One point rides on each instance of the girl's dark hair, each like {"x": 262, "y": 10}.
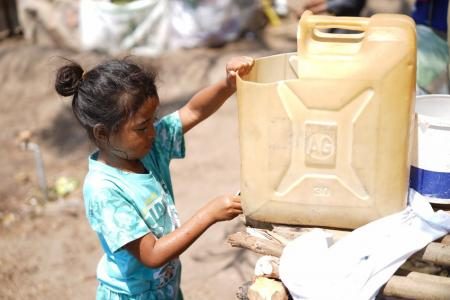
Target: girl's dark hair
{"x": 108, "y": 94}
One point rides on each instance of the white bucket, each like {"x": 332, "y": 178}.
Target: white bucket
{"x": 430, "y": 165}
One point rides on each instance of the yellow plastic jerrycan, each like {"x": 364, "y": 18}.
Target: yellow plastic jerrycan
{"x": 325, "y": 132}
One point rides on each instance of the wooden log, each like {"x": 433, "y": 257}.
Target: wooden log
{"x": 258, "y": 245}
{"x": 412, "y": 288}
{"x": 430, "y": 278}
{"x": 446, "y": 240}
{"x": 436, "y": 253}
{"x": 267, "y": 289}
{"x": 418, "y": 265}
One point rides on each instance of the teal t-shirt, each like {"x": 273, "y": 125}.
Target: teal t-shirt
{"x": 122, "y": 207}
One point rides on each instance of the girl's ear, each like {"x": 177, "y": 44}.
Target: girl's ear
{"x": 100, "y": 133}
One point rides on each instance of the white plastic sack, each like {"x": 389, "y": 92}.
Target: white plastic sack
{"x": 208, "y": 22}
{"x": 139, "y": 27}
{"x": 356, "y": 266}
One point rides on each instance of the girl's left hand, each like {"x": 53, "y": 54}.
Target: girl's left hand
{"x": 238, "y": 65}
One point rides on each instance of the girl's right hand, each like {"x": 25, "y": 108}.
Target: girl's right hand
{"x": 155, "y": 252}
{"x": 224, "y": 208}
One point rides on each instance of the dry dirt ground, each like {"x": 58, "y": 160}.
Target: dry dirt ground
{"x": 47, "y": 249}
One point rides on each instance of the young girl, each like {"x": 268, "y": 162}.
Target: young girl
{"x": 128, "y": 191}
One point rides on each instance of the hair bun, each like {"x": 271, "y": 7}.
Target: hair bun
{"x": 68, "y": 79}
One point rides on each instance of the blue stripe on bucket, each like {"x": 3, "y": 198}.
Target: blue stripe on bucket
{"x": 430, "y": 183}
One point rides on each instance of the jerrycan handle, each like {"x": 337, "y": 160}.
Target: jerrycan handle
{"x": 310, "y": 29}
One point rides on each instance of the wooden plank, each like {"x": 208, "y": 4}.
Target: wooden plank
{"x": 412, "y": 288}
{"x": 430, "y": 278}
{"x": 436, "y": 253}
{"x": 258, "y": 245}
{"x": 267, "y": 289}
{"x": 446, "y": 240}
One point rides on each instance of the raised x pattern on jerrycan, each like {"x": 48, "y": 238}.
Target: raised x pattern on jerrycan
{"x": 325, "y": 132}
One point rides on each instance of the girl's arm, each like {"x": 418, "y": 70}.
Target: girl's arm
{"x": 208, "y": 100}
{"x": 154, "y": 252}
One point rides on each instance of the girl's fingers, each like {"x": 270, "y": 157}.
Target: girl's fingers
{"x": 236, "y": 203}
{"x": 236, "y": 210}
{"x": 236, "y": 206}
{"x": 247, "y": 63}
{"x": 249, "y": 60}
{"x": 241, "y": 64}
{"x": 232, "y": 74}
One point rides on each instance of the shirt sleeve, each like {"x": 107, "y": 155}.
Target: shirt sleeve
{"x": 169, "y": 137}
{"x": 115, "y": 218}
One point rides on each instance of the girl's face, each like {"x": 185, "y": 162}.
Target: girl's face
{"x": 135, "y": 137}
